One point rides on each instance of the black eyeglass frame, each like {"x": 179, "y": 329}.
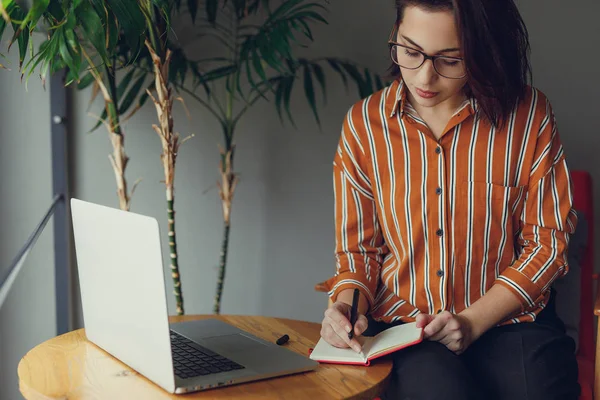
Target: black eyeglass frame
{"x": 426, "y": 57}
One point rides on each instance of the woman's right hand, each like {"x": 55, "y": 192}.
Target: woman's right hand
{"x": 336, "y": 326}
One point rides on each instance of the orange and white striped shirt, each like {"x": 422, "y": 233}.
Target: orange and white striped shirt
{"x": 425, "y": 225}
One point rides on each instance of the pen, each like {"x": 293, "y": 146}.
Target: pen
{"x": 353, "y": 312}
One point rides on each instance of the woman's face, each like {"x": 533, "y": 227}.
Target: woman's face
{"x": 434, "y": 33}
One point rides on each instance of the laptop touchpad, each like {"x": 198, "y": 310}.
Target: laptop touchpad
{"x": 232, "y": 343}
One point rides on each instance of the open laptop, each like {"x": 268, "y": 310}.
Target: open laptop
{"x": 120, "y": 265}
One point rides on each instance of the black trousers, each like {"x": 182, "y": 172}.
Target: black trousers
{"x": 528, "y": 361}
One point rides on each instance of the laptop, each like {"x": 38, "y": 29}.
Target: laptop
{"x": 121, "y": 277}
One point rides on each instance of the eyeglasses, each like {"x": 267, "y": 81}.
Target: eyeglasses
{"x": 409, "y": 58}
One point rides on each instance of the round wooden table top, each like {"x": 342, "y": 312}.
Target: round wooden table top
{"x": 71, "y": 367}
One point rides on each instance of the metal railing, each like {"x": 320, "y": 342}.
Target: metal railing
{"x": 8, "y": 278}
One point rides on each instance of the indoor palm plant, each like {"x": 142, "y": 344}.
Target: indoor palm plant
{"x": 160, "y": 61}
{"x": 93, "y": 40}
{"x": 260, "y": 39}
{"x": 83, "y": 37}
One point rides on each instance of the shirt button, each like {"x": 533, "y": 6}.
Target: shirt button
{"x": 438, "y": 150}
{"x": 440, "y": 273}
{"x": 438, "y": 191}
{"x": 439, "y": 232}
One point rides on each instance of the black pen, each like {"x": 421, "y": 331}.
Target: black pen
{"x": 353, "y": 312}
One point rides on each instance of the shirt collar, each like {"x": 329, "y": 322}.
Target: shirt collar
{"x": 396, "y": 100}
{"x": 474, "y": 105}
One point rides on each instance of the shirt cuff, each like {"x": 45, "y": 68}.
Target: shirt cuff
{"x": 349, "y": 280}
{"x": 527, "y": 291}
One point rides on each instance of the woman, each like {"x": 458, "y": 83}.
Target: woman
{"x": 454, "y": 209}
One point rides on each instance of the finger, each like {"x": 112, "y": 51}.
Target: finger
{"x": 443, "y": 336}
{"x": 454, "y": 325}
{"x": 423, "y": 320}
{"x": 460, "y": 347}
{"x": 332, "y": 337}
{"x": 356, "y": 346}
{"x": 451, "y": 336}
{"x": 361, "y": 325}
{"x": 454, "y": 346}
{"x": 337, "y": 314}
{"x": 342, "y": 334}
{"x": 452, "y": 330}
{"x": 437, "y": 324}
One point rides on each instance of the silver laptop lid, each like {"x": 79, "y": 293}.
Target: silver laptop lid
{"x": 122, "y": 287}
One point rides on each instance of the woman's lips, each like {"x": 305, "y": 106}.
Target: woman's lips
{"x": 426, "y": 94}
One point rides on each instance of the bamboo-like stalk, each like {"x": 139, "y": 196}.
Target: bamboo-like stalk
{"x": 170, "y": 144}
{"x": 227, "y": 186}
{"x": 118, "y": 158}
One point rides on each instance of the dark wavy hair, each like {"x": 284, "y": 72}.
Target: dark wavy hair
{"x": 495, "y": 44}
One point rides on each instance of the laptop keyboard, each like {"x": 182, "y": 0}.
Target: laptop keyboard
{"x": 191, "y": 360}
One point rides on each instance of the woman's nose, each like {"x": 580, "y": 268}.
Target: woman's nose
{"x": 427, "y": 72}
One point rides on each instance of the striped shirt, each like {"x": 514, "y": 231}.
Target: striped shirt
{"x": 425, "y": 225}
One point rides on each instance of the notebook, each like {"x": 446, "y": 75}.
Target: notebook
{"x": 386, "y": 342}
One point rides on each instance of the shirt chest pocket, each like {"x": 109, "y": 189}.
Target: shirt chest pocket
{"x": 486, "y": 221}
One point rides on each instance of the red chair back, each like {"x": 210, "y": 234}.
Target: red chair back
{"x": 583, "y": 202}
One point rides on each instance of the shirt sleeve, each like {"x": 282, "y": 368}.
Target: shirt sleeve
{"x": 359, "y": 243}
{"x": 547, "y": 221}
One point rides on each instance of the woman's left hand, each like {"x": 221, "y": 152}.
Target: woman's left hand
{"x": 454, "y": 331}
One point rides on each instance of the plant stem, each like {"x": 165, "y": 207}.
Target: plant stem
{"x": 118, "y": 158}
{"x": 248, "y": 105}
{"x": 222, "y": 264}
{"x": 193, "y": 95}
{"x": 173, "y": 251}
{"x": 169, "y": 139}
{"x": 227, "y": 189}
{"x": 228, "y": 177}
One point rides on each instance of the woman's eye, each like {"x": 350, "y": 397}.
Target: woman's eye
{"x": 450, "y": 63}
{"x": 411, "y": 53}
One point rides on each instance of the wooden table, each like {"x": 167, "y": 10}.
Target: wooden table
{"x": 71, "y": 367}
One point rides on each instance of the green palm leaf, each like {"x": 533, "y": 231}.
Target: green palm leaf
{"x": 100, "y": 121}
{"x": 22, "y": 38}
{"x": 9, "y": 7}
{"x": 311, "y": 70}
{"x": 33, "y": 16}
{"x": 95, "y": 32}
{"x": 86, "y": 81}
{"x": 193, "y": 9}
{"x": 164, "y": 7}
{"x": 336, "y": 67}
{"x": 287, "y": 96}
{"x": 320, "y": 75}
{"x": 273, "y": 41}
{"x": 310, "y": 92}
{"x": 132, "y": 94}
{"x": 125, "y": 81}
{"x": 132, "y": 21}
{"x": 212, "y": 7}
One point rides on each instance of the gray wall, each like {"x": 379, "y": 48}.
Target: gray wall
{"x": 28, "y": 315}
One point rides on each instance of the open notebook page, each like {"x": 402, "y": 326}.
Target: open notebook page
{"x": 397, "y": 336}
{"x": 326, "y": 352}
